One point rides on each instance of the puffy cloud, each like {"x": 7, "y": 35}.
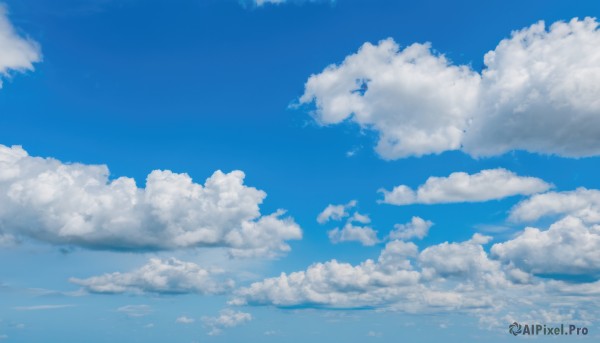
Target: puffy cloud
{"x": 462, "y": 187}
{"x": 335, "y": 212}
{"x": 465, "y": 260}
{"x": 537, "y": 92}
{"x": 569, "y": 246}
{"x": 18, "y": 53}
{"x": 452, "y": 276}
{"x": 227, "y": 319}
{"x": 359, "y": 218}
{"x": 582, "y": 203}
{"x": 159, "y": 276}
{"x": 337, "y": 284}
{"x": 416, "y": 228}
{"x": 540, "y": 92}
{"x": 416, "y": 100}
{"x": 456, "y": 277}
{"x": 349, "y": 233}
{"x": 77, "y": 204}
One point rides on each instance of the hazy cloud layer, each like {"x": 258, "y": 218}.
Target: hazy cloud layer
{"x": 537, "y": 92}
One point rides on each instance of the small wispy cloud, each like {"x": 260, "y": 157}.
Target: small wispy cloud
{"x": 185, "y": 320}
{"x": 41, "y": 307}
{"x": 227, "y": 319}
{"x": 135, "y": 310}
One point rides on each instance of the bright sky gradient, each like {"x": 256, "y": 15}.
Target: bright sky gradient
{"x": 295, "y": 170}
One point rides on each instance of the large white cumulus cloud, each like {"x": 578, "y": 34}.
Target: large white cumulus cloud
{"x": 538, "y": 92}
{"x": 16, "y": 53}
{"x": 457, "y": 277}
{"x": 338, "y": 284}
{"x": 450, "y": 276}
{"x": 416, "y": 100}
{"x": 541, "y": 92}
{"x": 78, "y": 204}
{"x": 568, "y": 247}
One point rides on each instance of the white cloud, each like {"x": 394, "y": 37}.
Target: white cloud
{"x": 227, "y": 319}
{"x": 462, "y": 187}
{"x": 414, "y": 99}
{"x": 335, "y": 212}
{"x": 351, "y": 233}
{"x": 18, "y": 53}
{"x": 416, "y": 228}
{"x": 337, "y": 284}
{"x": 135, "y": 310}
{"x": 264, "y": 2}
{"x": 541, "y": 92}
{"x": 159, "y": 276}
{"x": 359, "y": 218}
{"x": 261, "y": 3}
{"x": 465, "y": 260}
{"x": 42, "y": 307}
{"x": 185, "y": 320}
{"x": 77, "y": 204}
{"x": 537, "y": 92}
{"x": 582, "y": 203}
{"x": 456, "y": 277}
{"x": 569, "y": 246}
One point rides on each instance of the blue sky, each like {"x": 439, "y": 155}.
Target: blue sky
{"x": 231, "y": 171}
